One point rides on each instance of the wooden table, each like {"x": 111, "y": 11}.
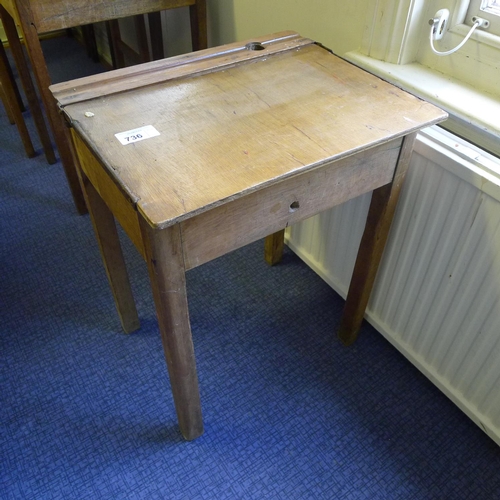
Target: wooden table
{"x": 34, "y": 17}
{"x": 252, "y": 137}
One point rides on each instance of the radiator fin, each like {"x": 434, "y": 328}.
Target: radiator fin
{"x": 437, "y": 293}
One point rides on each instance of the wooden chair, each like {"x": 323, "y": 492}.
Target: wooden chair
{"x": 40, "y": 16}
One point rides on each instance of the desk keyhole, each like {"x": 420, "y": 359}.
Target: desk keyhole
{"x": 294, "y": 206}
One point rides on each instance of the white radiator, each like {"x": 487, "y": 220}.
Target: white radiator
{"x": 437, "y": 293}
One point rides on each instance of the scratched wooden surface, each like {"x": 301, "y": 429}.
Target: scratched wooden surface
{"x": 49, "y": 15}
{"x": 173, "y": 68}
{"x": 230, "y": 132}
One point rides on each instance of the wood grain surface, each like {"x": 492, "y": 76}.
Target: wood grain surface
{"x": 50, "y": 15}
{"x": 233, "y": 131}
{"x": 232, "y": 225}
{"x": 249, "y": 138}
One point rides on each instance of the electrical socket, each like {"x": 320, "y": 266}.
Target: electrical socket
{"x": 440, "y": 22}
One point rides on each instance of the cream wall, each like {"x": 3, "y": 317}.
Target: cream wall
{"x": 336, "y": 24}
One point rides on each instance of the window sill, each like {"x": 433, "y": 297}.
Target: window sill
{"x": 474, "y": 115}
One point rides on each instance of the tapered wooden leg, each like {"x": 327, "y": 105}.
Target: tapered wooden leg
{"x": 165, "y": 261}
{"x": 115, "y": 41}
{"x": 112, "y": 256}
{"x": 110, "y": 33}
{"x": 273, "y": 247}
{"x": 155, "y": 33}
{"x": 198, "y": 18}
{"x": 42, "y": 76}
{"x": 6, "y": 105}
{"x": 378, "y": 223}
{"x": 27, "y": 83}
{"x": 11, "y": 103}
{"x": 12, "y": 77}
{"x": 142, "y": 38}
{"x": 90, "y": 42}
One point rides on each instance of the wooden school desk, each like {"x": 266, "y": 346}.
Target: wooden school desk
{"x": 34, "y": 17}
{"x": 217, "y": 149}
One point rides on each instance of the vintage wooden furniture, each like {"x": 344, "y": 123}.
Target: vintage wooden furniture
{"x": 29, "y": 90}
{"x": 34, "y": 17}
{"x": 9, "y": 94}
{"x": 217, "y": 149}
{"x": 119, "y": 49}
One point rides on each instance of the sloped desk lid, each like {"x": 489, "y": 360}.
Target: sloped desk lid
{"x": 232, "y": 120}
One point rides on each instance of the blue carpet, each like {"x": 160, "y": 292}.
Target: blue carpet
{"x": 86, "y": 411}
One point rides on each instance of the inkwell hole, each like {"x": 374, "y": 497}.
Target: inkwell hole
{"x": 254, "y": 46}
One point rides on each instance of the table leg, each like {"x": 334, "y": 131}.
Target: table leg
{"x": 198, "y": 17}
{"x": 115, "y": 43}
{"x": 112, "y": 256}
{"x": 142, "y": 38}
{"x": 155, "y": 33}
{"x": 111, "y": 34}
{"x": 12, "y": 78}
{"x": 378, "y": 223}
{"x": 42, "y": 76}
{"x": 165, "y": 261}
{"x": 273, "y": 247}
{"x": 90, "y": 42}
{"x": 27, "y": 83}
{"x": 7, "y": 87}
{"x": 6, "y": 105}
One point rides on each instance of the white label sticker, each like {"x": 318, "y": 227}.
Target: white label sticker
{"x": 138, "y": 134}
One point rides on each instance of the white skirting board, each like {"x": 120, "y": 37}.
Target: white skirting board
{"x": 437, "y": 293}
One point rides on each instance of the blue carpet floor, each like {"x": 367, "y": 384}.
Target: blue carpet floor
{"x": 86, "y": 411}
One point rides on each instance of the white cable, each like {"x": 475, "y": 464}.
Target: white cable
{"x": 459, "y": 46}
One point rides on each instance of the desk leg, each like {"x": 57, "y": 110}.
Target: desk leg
{"x": 7, "y": 89}
{"x": 378, "y": 223}
{"x": 198, "y": 17}
{"x": 27, "y": 83}
{"x": 11, "y": 78}
{"x": 112, "y": 256}
{"x": 273, "y": 247}
{"x": 156, "y": 36}
{"x": 42, "y": 76}
{"x": 165, "y": 260}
